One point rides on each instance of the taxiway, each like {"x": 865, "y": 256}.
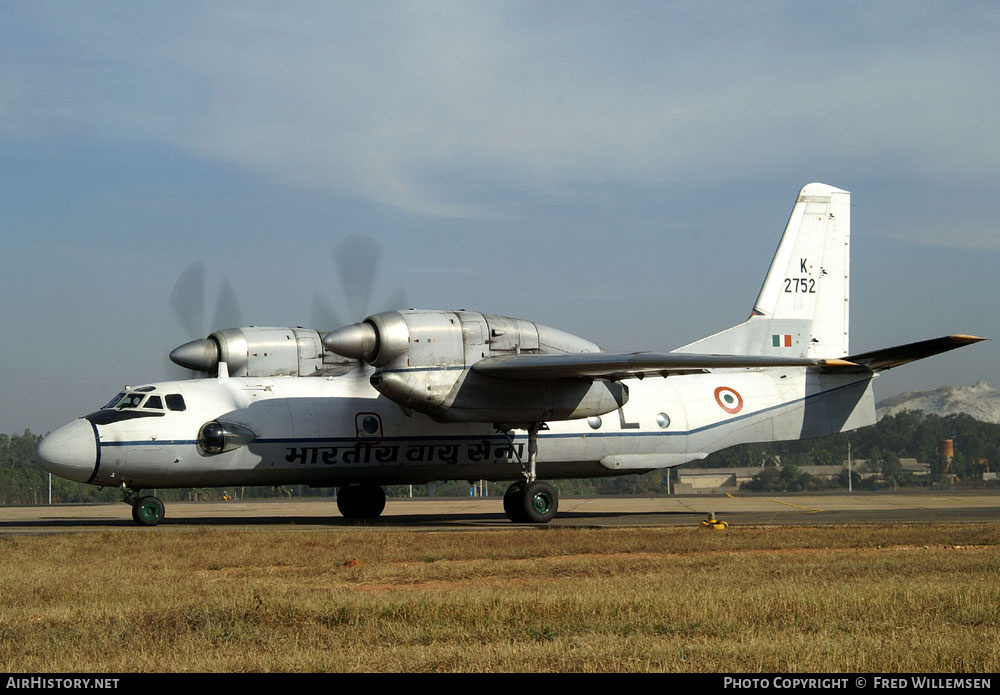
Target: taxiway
{"x": 487, "y": 513}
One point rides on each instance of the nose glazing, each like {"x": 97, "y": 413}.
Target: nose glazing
{"x": 70, "y": 452}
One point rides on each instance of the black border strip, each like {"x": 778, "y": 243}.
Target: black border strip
{"x": 97, "y": 443}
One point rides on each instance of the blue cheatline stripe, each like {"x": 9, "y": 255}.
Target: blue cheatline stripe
{"x": 152, "y": 442}
{"x": 501, "y": 437}
{"x": 97, "y": 461}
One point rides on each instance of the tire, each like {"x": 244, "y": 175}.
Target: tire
{"x": 539, "y": 502}
{"x": 361, "y": 501}
{"x": 512, "y": 502}
{"x": 147, "y": 511}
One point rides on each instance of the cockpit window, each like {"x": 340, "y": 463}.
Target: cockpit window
{"x": 114, "y": 401}
{"x": 125, "y": 400}
{"x": 130, "y": 400}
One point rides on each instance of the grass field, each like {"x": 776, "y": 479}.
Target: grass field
{"x": 864, "y": 598}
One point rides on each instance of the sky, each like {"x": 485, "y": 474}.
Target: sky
{"x": 619, "y": 170}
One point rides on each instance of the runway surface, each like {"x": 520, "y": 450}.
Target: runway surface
{"x": 487, "y": 513}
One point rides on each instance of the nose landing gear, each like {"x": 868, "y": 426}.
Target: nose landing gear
{"x": 146, "y": 510}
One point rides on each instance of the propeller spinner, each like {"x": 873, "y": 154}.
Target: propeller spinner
{"x": 199, "y": 355}
{"x": 358, "y": 341}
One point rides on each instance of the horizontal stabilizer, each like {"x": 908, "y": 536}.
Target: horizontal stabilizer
{"x": 887, "y": 358}
{"x": 609, "y": 365}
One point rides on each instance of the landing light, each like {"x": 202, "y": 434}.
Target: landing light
{"x": 217, "y": 437}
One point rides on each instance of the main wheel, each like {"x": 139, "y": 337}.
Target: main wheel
{"x": 539, "y": 502}
{"x": 147, "y": 511}
{"x": 512, "y": 502}
{"x": 361, "y": 501}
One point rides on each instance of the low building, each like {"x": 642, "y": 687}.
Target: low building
{"x": 725, "y": 479}
{"x": 914, "y": 467}
{"x": 712, "y": 479}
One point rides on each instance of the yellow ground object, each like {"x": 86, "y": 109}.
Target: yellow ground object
{"x": 713, "y": 523}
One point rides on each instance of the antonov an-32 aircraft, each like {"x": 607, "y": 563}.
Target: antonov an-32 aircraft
{"x": 417, "y": 396}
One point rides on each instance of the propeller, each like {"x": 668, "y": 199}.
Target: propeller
{"x": 357, "y": 259}
{"x": 188, "y": 301}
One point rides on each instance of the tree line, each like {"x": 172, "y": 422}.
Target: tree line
{"x": 910, "y": 434}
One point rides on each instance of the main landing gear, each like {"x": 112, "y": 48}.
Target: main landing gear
{"x": 146, "y": 509}
{"x": 361, "y": 501}
{"x": 530, "y": 500}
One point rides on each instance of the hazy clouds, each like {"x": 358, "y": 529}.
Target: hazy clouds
{"x": 619, "y": 170}
{"x": 404, "y": 103}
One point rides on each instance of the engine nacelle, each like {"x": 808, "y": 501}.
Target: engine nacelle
{"x": 423, "y": 361}
{"x": 260, "y": 351}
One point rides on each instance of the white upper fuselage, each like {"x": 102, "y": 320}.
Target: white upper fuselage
{"x": 330, "y": 431}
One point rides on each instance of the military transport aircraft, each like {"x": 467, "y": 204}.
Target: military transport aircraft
{"x": 415, "y": 396}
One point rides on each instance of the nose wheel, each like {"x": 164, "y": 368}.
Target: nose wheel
{"x": 146, "y": 509}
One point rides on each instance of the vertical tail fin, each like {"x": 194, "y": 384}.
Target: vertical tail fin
{"x": 803, "y": 306}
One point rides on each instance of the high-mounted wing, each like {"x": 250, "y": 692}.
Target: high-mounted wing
{"x": 610, "y": 365}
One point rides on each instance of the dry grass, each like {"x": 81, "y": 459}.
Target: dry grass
{"x": 904, "y": 598}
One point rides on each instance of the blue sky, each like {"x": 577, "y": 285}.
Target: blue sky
{"x": 621, "y": 170}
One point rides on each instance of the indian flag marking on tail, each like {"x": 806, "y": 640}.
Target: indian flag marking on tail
{"x": 781, "y": 340}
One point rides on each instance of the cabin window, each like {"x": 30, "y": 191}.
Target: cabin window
{"x": 175, "y": 401}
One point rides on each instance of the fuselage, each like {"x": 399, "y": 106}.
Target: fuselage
{"x": 333, "y": 431}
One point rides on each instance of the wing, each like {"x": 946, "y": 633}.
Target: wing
{"x": 610, "y": 365}
{"x": 887, "y": 358}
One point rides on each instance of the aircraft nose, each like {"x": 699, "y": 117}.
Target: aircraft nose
{"x": 70, "y": 452}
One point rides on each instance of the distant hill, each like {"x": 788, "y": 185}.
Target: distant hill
{"x": 981, "y": 401}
